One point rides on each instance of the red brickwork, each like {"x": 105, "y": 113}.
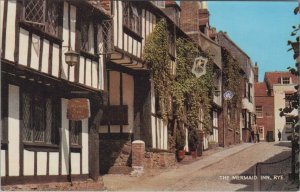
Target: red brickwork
{"x": 189, "y": 16}
{"x": 138, "y": 153}
{"x": 262, "y": 98}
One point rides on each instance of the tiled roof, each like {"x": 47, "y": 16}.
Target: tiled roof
{"x": 273, "y": 77}
{"x": 260, "y": 89}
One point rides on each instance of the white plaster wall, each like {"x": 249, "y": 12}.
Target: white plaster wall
{"x": 45, "y": 59}
{"x": 3, "y": 168}
{"x": 128, "y": 99}
{"x": 101, "y": 73}
{"x": 143, "y": 28}
{"x": 13, "y": 130}
{"x": 28, "y": 162}
{"x": 130, "y": 44}
{"x": 42, "y": 163}
{"x": 10, "y": 30}
{"x": 35, "y": 52}
{"x": 247, "y": 105}
{"x": 81, "y": 70}
{"x": 147, "y": 23}
{"x": 125, "y": 42}
{"x": 205, "y": 142}
{"x": 64, "y": 138}
{"x": 23, "y": 48}
{"x": 88, "y": 77}
{"x": 279, "y": 102}
{"x": 55, "y": 60}
{"x": 94, "y": 74}
{"x": 165, "y": 139}
{"x": 186, "y": 140}
{"x": 75, "y": 163}
{"x": 85, "y": 146}
{"x": 73, "y": 35}
{"x": 120, "y": 27}
{"x": 64, "y": 74}
{"x": 153, "y": 131}
{"x": 53, "y": 163}
{"x": 115, "y": 22}
{"x": 1, "y": 22}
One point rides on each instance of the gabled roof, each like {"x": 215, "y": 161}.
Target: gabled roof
{"x": 273, "y": 77}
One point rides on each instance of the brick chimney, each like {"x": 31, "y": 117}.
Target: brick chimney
{"x": 255, "y": 71}
{"x": 172, "y": 10}
{"x": 194, "y": 16}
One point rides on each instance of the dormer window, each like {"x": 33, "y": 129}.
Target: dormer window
{"x": 285, "y": 80}
{"x": 42, "y": 14}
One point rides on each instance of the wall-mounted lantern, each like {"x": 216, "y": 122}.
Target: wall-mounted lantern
{"x": 72, "y": 58}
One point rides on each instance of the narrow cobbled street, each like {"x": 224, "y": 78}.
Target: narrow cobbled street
{"x": 231, "y": 169}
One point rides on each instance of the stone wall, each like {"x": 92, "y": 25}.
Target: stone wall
{"x": 159, "y": 159}
{"x": 115, "y": 156}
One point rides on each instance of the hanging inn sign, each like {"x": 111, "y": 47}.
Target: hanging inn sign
{"x": 199, "y": 67}
{"x": 78, "y": 109}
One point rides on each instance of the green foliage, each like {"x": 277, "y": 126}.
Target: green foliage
{"x": 192, "y": 93}
{"x": 293, "y": 100}
{"x": 231, "y": 81}
{"x": 193, "y": 139}
{"x": 184, "y": 95}
{"x": 156, "y": 54}
{"x": 180, "y": 136}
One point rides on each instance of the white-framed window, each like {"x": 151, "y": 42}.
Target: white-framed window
{"x": 285, "y": 80}
{"x": 259, "y": 111}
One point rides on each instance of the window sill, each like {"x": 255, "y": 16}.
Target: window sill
{"x": 40, "y": 32}
{"x": 131, "y": 33}
{"x": 41, "y": 147}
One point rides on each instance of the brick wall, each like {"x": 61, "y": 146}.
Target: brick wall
{"x": 189, "y": 16}
{"x": 268, "y": 121}
{"x": 115, "y": 154}
{"x": 159, "y": 159}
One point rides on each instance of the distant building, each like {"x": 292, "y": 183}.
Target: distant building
{"x": 270, "y": 97}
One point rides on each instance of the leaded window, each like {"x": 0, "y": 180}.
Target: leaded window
{"x": 39, "y": 114}
{"x": 87, "y": 35}
{"x": 75, "y": 130}
{"x": 4, "y": 113}
{"x": 42, "y": 14}
{"x": 131, "y": 17}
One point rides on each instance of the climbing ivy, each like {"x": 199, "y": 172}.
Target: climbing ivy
{"x": 192, "y": 94}
{"x": 184, "y": 95}
{"x": 232, "y": 79}
{"x": 156, "y": 55}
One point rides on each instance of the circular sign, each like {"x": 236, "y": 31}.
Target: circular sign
{"x": 228, "y": 95}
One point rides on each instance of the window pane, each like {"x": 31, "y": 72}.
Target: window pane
{"x": 35, "y": 12}
{"x": 52, "y": 17}
{"x": 39, "y": 119}
{"x": 26, "y": 114}
{"x": 48, "y": 120}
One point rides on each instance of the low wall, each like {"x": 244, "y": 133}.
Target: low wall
{"x": 159, "y": 159}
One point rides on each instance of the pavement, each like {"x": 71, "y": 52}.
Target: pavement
{"x": 169, "y": 176}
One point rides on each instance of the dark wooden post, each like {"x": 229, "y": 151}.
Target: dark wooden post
{"x": 94, "y": 123}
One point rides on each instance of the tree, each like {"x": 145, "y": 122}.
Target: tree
{"x": 293, "y": 99}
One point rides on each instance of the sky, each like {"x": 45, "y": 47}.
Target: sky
{"x": 261, "y": 29}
